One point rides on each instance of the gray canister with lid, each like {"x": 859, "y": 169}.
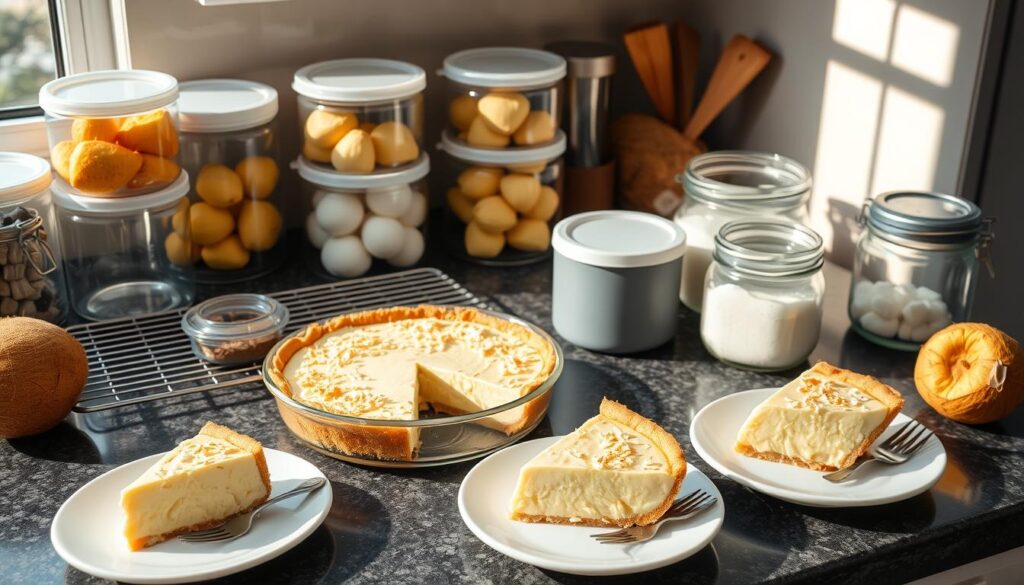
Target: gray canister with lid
{"x": 616, "y": 279}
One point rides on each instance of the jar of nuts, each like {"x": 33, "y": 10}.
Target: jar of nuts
{"x": 229, "y": 146}
{"x": 31, "y": 279}
{"x": 504, "y": 97}
{"x": 501, "y": 207}
{"x": 361, "y": 115}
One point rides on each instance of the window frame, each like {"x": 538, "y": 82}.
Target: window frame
{"x": 88, "y": 35}
{"x": 29, "y": 111}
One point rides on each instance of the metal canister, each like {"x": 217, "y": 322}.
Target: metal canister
{"x": 590, "y": 170}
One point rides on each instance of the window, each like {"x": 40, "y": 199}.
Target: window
{"x": 27, "y": 52}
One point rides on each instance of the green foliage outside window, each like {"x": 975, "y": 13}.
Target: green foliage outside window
{"x": 26, "y": 51}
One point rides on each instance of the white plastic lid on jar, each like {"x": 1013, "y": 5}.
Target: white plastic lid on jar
{"x": 359, "y": 80}
{"x": 225, "y": 105}
{"x": 504, "y": 156}
{"x": 360, "y": 182}
{"x": 505, "y": 67}
{"x": 619, "y": 239}
{"x": 115, "y": 206}
{"x": 22, "y": 176}
{"x": 108, "y": 93}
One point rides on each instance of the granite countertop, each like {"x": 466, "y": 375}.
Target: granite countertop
{"x": 403, "y": 525}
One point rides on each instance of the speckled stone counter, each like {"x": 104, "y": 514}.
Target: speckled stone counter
{"x": 404, "y": 526}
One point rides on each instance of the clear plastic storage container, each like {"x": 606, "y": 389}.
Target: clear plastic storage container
{"x": 129, "y": 256}
{"x": 763, "y": 294}
{"x": 229, "y": 146}
{"x": 503, "y": 203}
{"x": 726, "y": 185}
{"x": 113, "y": 133}
{"x": 358, "y": 115}
{"x": 915, "y": 266}
{"x": 504, "y": 97}
{"x": 356, "y": 223}
{"x": 31, "y": 276}
{"x": 235, "y": 329}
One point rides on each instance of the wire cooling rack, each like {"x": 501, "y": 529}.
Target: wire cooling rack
{"x": 140, "y": 359}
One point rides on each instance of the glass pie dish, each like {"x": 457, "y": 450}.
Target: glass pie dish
{"x": 442, "y": 438}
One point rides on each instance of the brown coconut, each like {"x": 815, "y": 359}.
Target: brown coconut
{"x": 42, "y": 372}
{"x": 649, "y": 154}
{"x": 971, "y": 373}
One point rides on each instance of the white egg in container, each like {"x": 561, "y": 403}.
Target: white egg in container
{"x": 362, "y": 222}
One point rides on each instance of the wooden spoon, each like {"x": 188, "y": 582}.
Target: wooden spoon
{"x": 687, "y": 56}
{"x": 739, "y": 64}
{"x": 650, "y": 49}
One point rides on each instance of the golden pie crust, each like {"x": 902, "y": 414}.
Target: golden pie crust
{"x": 661, "y": 438}
{"x": 871, "y": 386}
{"x": 399, "y": 443}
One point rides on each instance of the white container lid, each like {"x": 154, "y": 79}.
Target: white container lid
{"x": 108, "y": 93}
{"x": 619, "y": 239}
{"x": 505, "y": 67}
{"x": 22, "y": 175}
{"x": 225, "y": 105}
{"x": 172, "y": 193}
{"x": 382, "y": 178}
{"x": 503, "y": 156}
{"x": 359, "y": 80}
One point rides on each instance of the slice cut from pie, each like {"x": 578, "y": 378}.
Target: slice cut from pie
{"x": 393, "y": 363}
{"x": 205, "y": 480}
{"x": 822, "y": 420}
{"x": 617, "y": 469}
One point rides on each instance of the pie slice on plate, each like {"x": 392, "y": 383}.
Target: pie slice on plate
{"x": 205, "y": 480}
{"x": 822, "y": 420}
{"x": 617, "y": 469}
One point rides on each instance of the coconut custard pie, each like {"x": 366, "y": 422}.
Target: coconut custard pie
{"x": 205, "y": 480}
{"x": 823, "y": 420}
{"x": 617, "y": 469}
{"x": 393, "y": 363}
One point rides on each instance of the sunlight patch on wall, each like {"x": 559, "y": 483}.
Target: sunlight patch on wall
{"x": 851, "y": 103}
{"x": 925, "y": 45}
{"x": 864, "y": 26}
{"x": 908, "y": 143}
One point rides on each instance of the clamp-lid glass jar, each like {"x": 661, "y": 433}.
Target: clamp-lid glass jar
{"x": 359, "y": 222}
{"x": 113, "y": 133}
{"x": 126, "y": 256}
{"x": 503, "y": 204}
{"x": 357, "y": 115}
{"x": 31, "y": 277}
{"x": 229, "y": 146}
{"x": 504, "y": 97}
{"x": 763, "y": 294}
{"x": 915, "y": 266}
{"x": 726, "y": 185}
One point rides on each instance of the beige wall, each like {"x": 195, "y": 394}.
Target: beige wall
{"x": 848, "y": 96}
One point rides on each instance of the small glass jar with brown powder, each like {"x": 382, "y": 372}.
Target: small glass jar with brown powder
{"x": 235, "y": 329}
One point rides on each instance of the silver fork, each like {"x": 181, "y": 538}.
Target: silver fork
{"x": 687, "y": 507}
{"x": 899, "y": 447}
{"x": 240, "y": 525}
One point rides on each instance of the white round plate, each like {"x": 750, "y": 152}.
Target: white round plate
{"x": 713, "y": 434}
{"x": 87, "y": 529}
{"x": 487, "y": 490}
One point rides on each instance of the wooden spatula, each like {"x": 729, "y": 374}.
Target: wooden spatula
{"x": 650, "y": 49}
{"x": 687, "y": 57}
{"x": 741, "y": 61}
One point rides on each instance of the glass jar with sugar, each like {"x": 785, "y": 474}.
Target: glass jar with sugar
{"x": 726, "y": 185}
{"x": 763, "y": 294}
